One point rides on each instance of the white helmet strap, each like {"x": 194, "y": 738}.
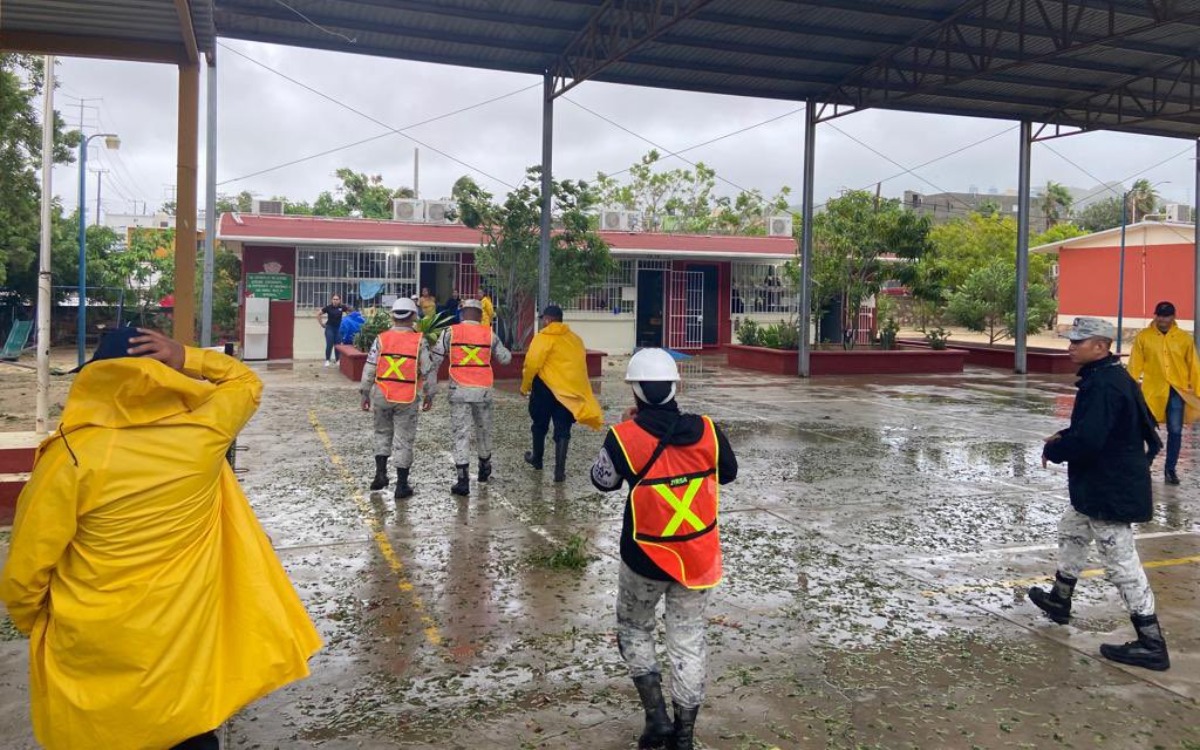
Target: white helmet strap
{"x": 637, "y": 391}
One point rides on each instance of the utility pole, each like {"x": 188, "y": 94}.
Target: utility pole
{"x": 416, "y": 173}
{"x": 41, "y": 420}
{"x": 99, "y": 186}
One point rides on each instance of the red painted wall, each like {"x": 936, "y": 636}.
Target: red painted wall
{"x": 1088, "y": 280}
{"x": 283, "y": 313}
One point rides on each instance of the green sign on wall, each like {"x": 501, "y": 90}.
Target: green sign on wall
{"x": 277, "y": 286}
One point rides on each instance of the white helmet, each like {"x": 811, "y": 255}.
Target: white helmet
{"x": 650, "y": 365}
{"x": 403, "y": 307}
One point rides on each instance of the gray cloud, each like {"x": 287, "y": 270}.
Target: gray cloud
{"x": 265, "y": 120}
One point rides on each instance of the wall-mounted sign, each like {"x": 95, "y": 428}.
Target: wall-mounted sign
{"x": 276, "y": 286}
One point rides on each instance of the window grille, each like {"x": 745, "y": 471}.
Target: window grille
{"x": 323, "y": 272}
{"x": 610, "y": 296}
{"x": 761, "y": 288}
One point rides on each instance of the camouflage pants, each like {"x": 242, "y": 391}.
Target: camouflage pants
{"x": 637, "y": 600}
{"x": 1122, "y": 566}
{"x": 468, "y": 417}
{"x": 395, "y": 428}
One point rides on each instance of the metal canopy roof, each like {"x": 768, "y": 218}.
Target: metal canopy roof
{"x": 1131, "y": 65}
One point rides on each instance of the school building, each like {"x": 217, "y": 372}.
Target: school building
{"x": 681, "y": 291}
{"x": 1159, "y": 265}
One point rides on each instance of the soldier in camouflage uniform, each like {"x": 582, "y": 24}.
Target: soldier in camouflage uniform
{"x": 673, "y": 463}
{"x": 390, "y": 385}
{"x": 472, "y": 348}
{"x": 1107, "y": 448}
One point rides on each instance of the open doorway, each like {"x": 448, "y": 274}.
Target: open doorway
{"x": 650, "y": 318}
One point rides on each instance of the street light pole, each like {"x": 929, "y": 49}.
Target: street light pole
{"x": 81, "y": 319}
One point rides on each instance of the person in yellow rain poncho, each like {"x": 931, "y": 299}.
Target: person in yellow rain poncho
{"x": 556, "y": 381}
{"x": 155, "y": 605}
{"x": 1163, "y": 360}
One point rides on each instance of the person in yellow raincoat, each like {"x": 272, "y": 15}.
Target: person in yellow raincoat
{"x": 154, "y": 603}
{"x": 1163, "y": 360}
{"x": 489, "y": 309}
{"x": 556, "y": 381}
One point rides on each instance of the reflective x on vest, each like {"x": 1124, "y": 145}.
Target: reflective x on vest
{"x": 681, "y": 505}
{"x": 394, "y": 363}
{"x": 471, "y": 357}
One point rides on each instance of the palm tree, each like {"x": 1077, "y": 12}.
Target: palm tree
{"x": 1143, "y": 199}
{"x": 1056, "y": 203}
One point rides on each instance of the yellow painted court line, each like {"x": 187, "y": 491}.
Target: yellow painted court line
{"x": 1024, "y": 582}
{"x": 432, "y": 634}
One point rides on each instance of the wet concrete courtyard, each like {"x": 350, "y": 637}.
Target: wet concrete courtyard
{"x": 878, "y": 544}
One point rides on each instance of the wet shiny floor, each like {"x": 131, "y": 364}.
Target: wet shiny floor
{"x": 878, "y": 545}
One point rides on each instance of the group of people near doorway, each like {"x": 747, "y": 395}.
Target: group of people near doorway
{"x": 157, "y": 608}
{"x": 340, "y": 321}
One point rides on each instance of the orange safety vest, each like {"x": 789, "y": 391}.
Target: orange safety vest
{"x": 471, "y": 355}
{"x": 675, "y": 505}
{"x": 396, "y": 369}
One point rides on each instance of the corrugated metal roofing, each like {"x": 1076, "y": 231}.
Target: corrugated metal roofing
{"x": 1097, "y": 64}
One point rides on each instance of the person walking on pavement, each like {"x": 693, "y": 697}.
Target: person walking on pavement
{"x": 397, "y": 368}
{"x": 1163, "y": 360}
{"x": 332, "y": 323}
{"x": 1107, "y": 448}
{"x": 556, "y": 381}
{"x": 472, "y": 348}
{"x": 154, "y": 604}
{"x": 674, "y": 464}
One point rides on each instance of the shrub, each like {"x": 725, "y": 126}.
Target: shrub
{"x": 887, "y": 334}
{"x": 377, "y": 321}
{"x": 749, "y": 333}
{"x": 937, "y": 338}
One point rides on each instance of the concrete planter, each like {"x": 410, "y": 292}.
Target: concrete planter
{"x": 853, "y": 362}
{"x": 1039, "y": 360}
{"x": 353, "y": 361}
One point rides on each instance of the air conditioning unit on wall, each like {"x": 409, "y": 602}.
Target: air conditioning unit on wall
{"x": 1179, "y": 212}
{"x": 613, "y": 220}
{"x": 779, "y": 226}
{"x": 440, "y": 212}
{"x": 408, "y": 209}
{"x": 266, "y": 208}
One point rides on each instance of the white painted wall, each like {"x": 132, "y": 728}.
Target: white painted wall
{"x": 308, "y": 339}
{"x": 614, "y": 334}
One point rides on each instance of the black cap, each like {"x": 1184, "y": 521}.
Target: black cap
{"x": 1164, "y": 309}
{"x": 552, "y": 311}
{"x": 113, "y": 344}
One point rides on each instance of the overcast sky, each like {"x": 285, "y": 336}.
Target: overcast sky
{"x": 265, "y": 120}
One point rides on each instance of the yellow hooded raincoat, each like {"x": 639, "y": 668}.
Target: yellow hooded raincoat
{"x": 558, "y": 357}
{"x": 154, "y": 603}
{"x": 1162, "y": 361}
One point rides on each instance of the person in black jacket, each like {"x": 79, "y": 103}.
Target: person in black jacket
{"x": 1107, "y": 448}
{"x": 673, "y": 463}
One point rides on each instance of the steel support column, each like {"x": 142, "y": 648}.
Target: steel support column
{"x": 42, "y": 414}
{"x": 210, "y": 205}
{"x": 185, "y": 204}
{"x": 806, "y": 239}
{"x": 1019, "y": 359}
{"x": 547, "y": 190}
{"x": 1196, "y": 257}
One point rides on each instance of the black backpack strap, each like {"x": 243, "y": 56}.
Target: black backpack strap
{"x": 658, "y": 451}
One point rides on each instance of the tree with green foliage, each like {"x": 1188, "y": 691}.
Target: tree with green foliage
{"x": 987, "y": 302}
{"x": 1101, "y": 215}
{"x": 861, "y": 241}
{"x": 22, "y": 79}
{"x": 1056, "y": 203}
{"x": 508, "y": 256}
{"x": 1143, "y": 200}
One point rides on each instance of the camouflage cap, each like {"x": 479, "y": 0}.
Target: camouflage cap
{"x": 1091, "y": 328}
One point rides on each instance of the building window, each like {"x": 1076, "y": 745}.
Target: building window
{"x": 614, "y": 294}
{"x": 326, "y": 271}
{"x": 761, "y": 288}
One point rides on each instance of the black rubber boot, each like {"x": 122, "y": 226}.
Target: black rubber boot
{"x": 1056, "y": 602}
{"x": 1170, "y": 477}
{"x": 560, "y": 458}
{"x": 659, "y": 729}
{"x": 463, "y": 485}
{"x": 1149, "y": 650}
{"x": 402, "y": 488}
{"x": 685, "y": 728}
{"x": 534, "y": 457}
{"x": 485, "y": 469}
{"x": 381, "y": 478}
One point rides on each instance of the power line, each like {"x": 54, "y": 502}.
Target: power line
{"x": 947, "y": 155}
{"x": 335, "y": 149}
{"x": 364, "y": 115}
{"x": 1105, "y": 187}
